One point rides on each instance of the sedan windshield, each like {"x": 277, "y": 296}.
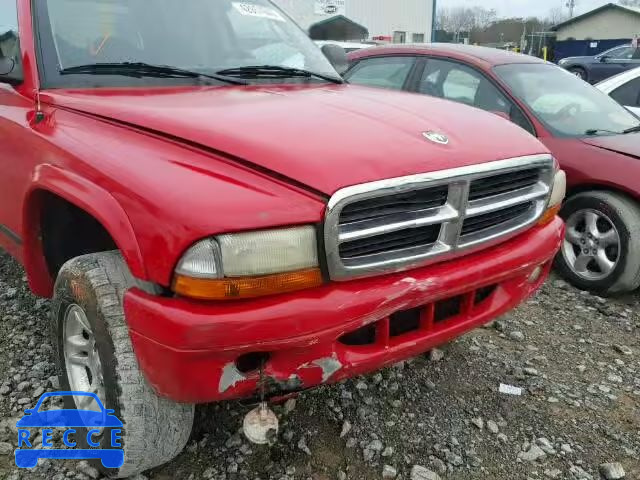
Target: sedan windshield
{"x": 202, "y": 36}
{"x": 567, "y": 105}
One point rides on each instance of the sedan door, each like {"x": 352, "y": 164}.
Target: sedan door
{"x": 616, "y": 61}
{"x": 462, "y": 83}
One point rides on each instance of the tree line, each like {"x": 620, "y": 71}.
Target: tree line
{"x": 482, "y": 25}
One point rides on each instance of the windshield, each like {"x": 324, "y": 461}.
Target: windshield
{"x": 618, "y": 52}
{"x": 567, "y": 105}
{"x": 198, "y": 35}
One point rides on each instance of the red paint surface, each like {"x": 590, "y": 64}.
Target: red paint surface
{"x": 163, "y": 168}
{"x": 325, "y": 126}
{"x": 607, "y": 162}
{"x": 183, "y": 346}
{"x": 187, "y": 163}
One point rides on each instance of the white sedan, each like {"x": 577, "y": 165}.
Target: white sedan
{"x": 624, "y": 89}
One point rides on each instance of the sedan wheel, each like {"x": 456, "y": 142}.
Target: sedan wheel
{"x": 592, "y": 245}
{"x": 579, "y": 72}
{"x": 601, "y": 249}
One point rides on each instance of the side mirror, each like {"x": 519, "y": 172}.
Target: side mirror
{"x": 337, "y": 57}
{"x": 8, "y": 71}
{"x": 604, "y": 59}
{"x": 6, "y": 66}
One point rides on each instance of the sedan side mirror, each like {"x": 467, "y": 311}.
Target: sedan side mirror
{"x": 337, "y": 57}
{"x": 604, "y": 59}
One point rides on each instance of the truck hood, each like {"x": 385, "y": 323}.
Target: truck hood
{"x": 324, "y": 137}
{"x": 628, "y": 144}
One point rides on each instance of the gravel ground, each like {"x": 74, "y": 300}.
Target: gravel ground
{"x": 575, "y": 356}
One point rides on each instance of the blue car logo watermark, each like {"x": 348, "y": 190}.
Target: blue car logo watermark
{"x": 95, "y": 422}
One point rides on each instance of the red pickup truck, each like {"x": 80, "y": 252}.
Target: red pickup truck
{"x": 204, "y": 199}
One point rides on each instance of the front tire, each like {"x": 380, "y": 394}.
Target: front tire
{"x": 580, "y": 72}
{"x": 601, "y": 250}
{"x": 89, "y": 330}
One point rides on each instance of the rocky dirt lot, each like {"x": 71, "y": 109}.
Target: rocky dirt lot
{"x": 575, "y": 356}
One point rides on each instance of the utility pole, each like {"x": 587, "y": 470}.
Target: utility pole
{"x": 571, "y": 5}
{"x": 434, "y": 26}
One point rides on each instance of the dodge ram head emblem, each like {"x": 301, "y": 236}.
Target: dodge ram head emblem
{"x": 436, "y": 137}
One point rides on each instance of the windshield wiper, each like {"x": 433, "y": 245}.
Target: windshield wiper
{"x": 275, "y": 71}
{"x": 141, "y": 69}
{"x": 596, "y": 131}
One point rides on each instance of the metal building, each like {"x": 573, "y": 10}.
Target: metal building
{"x": 398, "y": 21}
{"x": 604, "y": 23}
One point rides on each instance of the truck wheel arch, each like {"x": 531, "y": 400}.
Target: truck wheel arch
{"x": 87, "y": 197}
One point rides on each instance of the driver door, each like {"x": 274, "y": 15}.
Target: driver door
{"x": 14, "y": 132}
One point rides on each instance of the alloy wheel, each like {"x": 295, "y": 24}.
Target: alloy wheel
{"x": 82, "y": 360}
{"x": 591, "y": 247}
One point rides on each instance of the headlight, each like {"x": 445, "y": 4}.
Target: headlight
{"x": 251, "y": 264}
{"x": 558, "y": 192}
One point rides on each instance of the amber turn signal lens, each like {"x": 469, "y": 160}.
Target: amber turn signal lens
{"x": 548, "y": 216}
{"x": 246, "y": 287}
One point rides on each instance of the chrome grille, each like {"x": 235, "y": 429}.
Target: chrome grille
{"x": 505, "y": 182}
{"x": 406, "y": 222}
{"x": 490, "y": 220}
{"x": 401, "y": 239}
{"x": 394, "y": 204}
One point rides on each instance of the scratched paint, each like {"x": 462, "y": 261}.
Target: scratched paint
{"x": 409, "y": 280}
{"x": 417, "y": 285}
{"x": 381, "y": 313}
{"x": 329, "y": 366}
{"x": 231, "y": 376}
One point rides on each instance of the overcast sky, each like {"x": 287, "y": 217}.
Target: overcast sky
{"x": 526, "y": 8}
{"x": 7, "y": 15}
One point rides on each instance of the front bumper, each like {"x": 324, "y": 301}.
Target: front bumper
{"x": 200, "y": 352}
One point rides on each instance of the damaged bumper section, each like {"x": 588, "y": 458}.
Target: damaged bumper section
{"x": 201, "y": 352}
